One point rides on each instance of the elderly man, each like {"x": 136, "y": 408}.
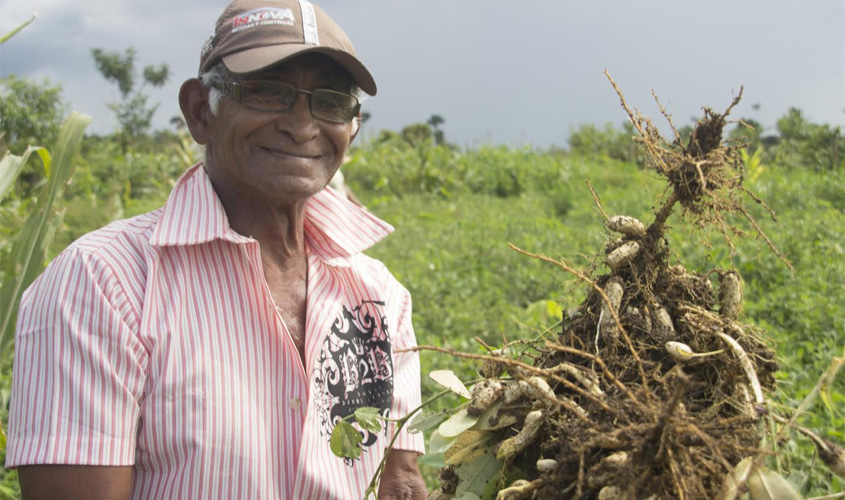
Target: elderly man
{"x": 206, "y": 350}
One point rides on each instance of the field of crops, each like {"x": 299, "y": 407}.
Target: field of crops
{"x": 457, "y": 211}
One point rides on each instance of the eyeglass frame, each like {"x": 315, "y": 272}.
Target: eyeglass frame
{"x": 234, "y": 90}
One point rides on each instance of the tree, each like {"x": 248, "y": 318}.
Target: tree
{"x": 134, "y": 114}
{"x": 30, "y": 113}
{"x": 793, "y": 126}
{"x": 417, "y": 134}
{"x": 808, "y": 144}
{"x": 590, "y": 140}
{"x": 434, "y": 122}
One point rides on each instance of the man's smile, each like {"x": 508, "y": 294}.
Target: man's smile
{"x": 290, "y": 154}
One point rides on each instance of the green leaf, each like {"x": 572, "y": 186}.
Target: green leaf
{"x": 474, "y": 475}
{"x": 46, "y": 160}
{"x": 368, "y": 418}
{"x": 8, "y": 493}
{"x": 346, "y": 440}
{"x": 10, "y": 167}
{"x": 468, "y": 496}
{"x": 449, "y": 380}
{"x": 763, "y": 484}
{"x": 425, "y": 421}
{"x": 439, "y": 443}
{"x": 2, "y": 437}
{"x": 457, "y": 423}
{"x": 729, "y": 490}
{"x": 824, "y": 395}
{"x": 766, "y": 484}
{"x": 553, "y": 309}
{"x": 500, "y": 481}
{"x": 496, "y": 417}
{"x": 29, "y": 250}
{"x": 467, "y": 446}
{"x": 16, "y": 30}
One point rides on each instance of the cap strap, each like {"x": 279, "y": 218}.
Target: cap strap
{"x": 309, "y": 23}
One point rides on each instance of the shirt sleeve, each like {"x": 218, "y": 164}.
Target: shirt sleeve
{"x": 79, "y": 369}
{"x": 406, "y": 379}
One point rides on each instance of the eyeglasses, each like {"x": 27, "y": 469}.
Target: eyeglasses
{"x": 274, "y": 97}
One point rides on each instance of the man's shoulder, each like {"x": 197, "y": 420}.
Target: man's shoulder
{"x": 122, "y": 246}
{"x": 113, "y": 260}
{"x": 132, "y": 233}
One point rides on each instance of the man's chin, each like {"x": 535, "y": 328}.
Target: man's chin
{"x": 294, "y": 189}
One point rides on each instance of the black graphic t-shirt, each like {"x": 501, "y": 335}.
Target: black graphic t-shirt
{"x": 355, "y": 367}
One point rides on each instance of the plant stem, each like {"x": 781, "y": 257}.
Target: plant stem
{"x": 663, "y": 214}
{"x": 400, "y": 423}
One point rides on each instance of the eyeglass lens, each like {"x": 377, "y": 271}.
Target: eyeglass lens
{"x": 280, "y": 96}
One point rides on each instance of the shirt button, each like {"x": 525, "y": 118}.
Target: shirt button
{"x": 295, "y": 404}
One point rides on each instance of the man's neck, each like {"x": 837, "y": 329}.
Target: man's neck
{"x": 280, "y": 229}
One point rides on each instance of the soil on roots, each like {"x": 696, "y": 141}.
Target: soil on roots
{"x": 657, "y": 388}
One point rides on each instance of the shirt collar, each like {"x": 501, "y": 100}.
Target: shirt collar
{"x": 335, "y": 228}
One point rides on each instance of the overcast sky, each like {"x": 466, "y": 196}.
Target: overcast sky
{"x": 517, "y": 73}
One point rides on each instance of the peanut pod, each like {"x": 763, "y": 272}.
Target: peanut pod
{"x": 513, "y": 445}
{"x": 730, "y": 295}
{"x": 662, "y": 323}
{"x": 626, "y": 225}
{"x": 623, "y": 254}
{"x": 610, "y": 311}
{"x": 484, "y": 394}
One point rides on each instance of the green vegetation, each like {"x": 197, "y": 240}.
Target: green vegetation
{"x": 456, "y": 211}
{"x": 32, "y": 112}
{"x": 451, "y": 252}
{"x": 133, "y": 113}
{"x": 24, "y": 255}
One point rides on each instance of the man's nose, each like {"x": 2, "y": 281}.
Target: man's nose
{"x": 298, "y": 121}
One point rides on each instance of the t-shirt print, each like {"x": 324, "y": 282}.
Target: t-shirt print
{"x": 354, "y": 368}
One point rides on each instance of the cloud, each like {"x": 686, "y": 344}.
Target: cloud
{"x": 497, "y": 71}
{"x": 58, "y": 46}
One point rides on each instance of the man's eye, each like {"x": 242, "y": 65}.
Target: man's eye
{"x": 262, "y": 97}
{"x": 270, "y": 93}
{"x": 327, "y": 105}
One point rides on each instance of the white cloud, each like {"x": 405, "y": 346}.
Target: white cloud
{"x": 496, "y": 71}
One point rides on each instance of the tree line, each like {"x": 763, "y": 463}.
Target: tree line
{"x": 31, "y": 112}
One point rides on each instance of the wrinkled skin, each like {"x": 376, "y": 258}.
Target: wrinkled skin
{"x": 402, "y": 479}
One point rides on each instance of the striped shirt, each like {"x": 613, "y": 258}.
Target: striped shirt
{"x": 154, "y": 342}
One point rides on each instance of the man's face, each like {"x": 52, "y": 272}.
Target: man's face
{"x": 279, "y": 157}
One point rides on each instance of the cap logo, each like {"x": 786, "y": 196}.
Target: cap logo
{"x": 263, "y": 17}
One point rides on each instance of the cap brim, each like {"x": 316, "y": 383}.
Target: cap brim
{"x": 247, "y": 61}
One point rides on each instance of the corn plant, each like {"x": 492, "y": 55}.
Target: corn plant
{"x": 29, "y": 249}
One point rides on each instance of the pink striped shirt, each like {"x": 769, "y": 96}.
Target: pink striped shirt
{"x": 154, "y": 342}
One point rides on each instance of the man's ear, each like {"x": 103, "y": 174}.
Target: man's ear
{"x": 356, "y": 127}
{"x": 193, "y": 100}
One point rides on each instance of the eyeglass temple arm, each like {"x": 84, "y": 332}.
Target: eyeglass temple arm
{"x": 231, "y": 89}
